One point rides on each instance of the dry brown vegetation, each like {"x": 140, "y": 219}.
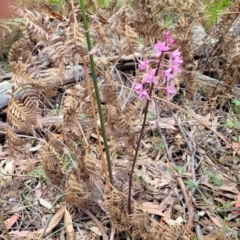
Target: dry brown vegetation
{"x": 186, "y": 182}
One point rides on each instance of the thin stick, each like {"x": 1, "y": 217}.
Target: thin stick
{"x": 81, "y": 130}
{"x": 201, "y": 122}
{"x": 5, "y": 227}
{"x": 100, "y": 226}
{"x": 96, "y": 125}
{"x": 187, "y": 199}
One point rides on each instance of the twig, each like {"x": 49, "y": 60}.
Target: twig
{"x": 112, "y": 233}
{"x": 46, "y": 226}
{"x": 82, "y": 132}
{"x": 198, "y": 229}
{"x": 201, "y": 122}
{"x": 99, "y": 224}
{"x": 5, "y": 227}
{"x": 186, "y": 196}
{"x": 191, "y": 150}
{"x": 96, "y": 125}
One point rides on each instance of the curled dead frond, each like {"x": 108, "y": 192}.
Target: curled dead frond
{"x": 149, "y": 31}
{"x": 93, "y": 166}
{"x": 21, "y": 49}
{"x": 52, "y": 165}
{"x": 76, "y": 129}
{"x": 79, "y": 190}
{"x": 15, "y": 143}
{"x": 115, "y": 207}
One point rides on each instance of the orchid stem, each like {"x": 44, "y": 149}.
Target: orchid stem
{"x": 140, "y": 138}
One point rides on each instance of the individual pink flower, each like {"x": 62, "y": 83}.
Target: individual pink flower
{"x": 138, "y": 87}
{"x": 144, "y": 94}
{"x": 170, "y": 90}
{"x": 176, "y": 54}
{"x": 143, "y": 65}
{"x": 176, "y": 69}
{"x": 166, "y": 34}
{"x": 177, "y": 61}
{"x": 167, "y": 74}
{"x": 167, "y": 37}
{"x": 160, "y": 47}
{"x": 150, "y": 77}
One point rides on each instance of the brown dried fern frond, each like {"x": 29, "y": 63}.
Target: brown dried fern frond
{"x": 93, "y": 166}
{"x": 30, "y": 98}
{"x": 45, "y": 81}
{"x": 20, "y": 75}
{"x": 21, "y": 116}
{"x": 15, "y": 143}
{"x": 52, "y": 165}
{"x": 118, "y": 128}
{"x": 79, "y": 189}
{"x": 74, "y": 43}
{"x": 143, "y": 11}
{"x": 45, "y": 37}
{"x": 76, "y": 132}
{"x": 109, "y": 91}
{"x": 141, "y": 225}
{"x": 76, "y": 129}
{"x": 118, "y": 20}
{"x": 129, "y": 42}
{"x": 53, "y": 54}
{"x": 112, "y": 5}
{"x": 115, "y": 207}
{"x": 21, "y": 49}
{"x": 35, "y": 30}
{"x": 76, "y": 100}
{"x": 149, "y": 31}
{"x": 37, "y": 25}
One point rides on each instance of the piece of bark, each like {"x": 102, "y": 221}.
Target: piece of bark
{"x": 45, "y": 121}
{"x": 206, "y": 85}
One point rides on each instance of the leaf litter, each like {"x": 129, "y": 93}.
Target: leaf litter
{"x": 181, "y": 162}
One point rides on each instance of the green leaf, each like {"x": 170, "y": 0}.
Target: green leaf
{"x": 179, "y": 169}
{"x": 213, "y": 10}
{"x": 137, "y": 178}
{"x": 236, "y": 102}
{"x": 101, "y": 3}
{"x": 169, "y": 170}
{"x": 191, "y": 184}
{"x": 217, "y": 181}
{"x": 229, "y": 123}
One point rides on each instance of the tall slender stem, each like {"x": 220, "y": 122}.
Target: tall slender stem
{"x": 96, "y": 91}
